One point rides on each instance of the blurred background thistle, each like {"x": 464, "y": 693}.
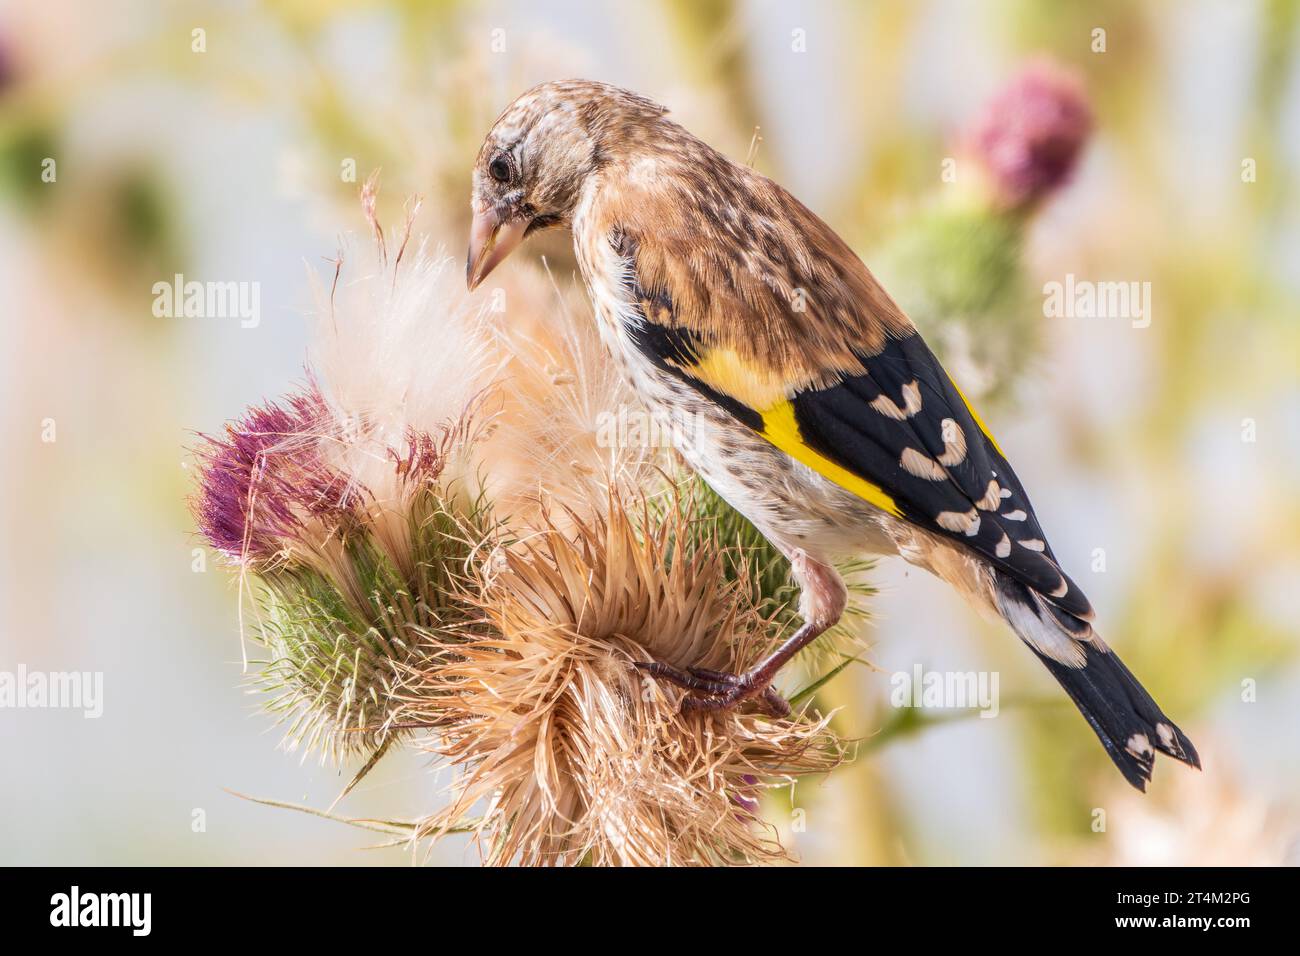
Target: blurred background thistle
{"x": 232, "y": 164}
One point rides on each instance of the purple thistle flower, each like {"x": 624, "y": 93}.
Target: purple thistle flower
{"x": 745, "y": 798}
{"x": 265, "y": 482}
{"x": 1031, "y": 133}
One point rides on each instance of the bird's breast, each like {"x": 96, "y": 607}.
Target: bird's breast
{"x": 605, "y": 273}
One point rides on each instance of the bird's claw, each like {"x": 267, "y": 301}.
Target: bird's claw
{"x": 717, "y": 690}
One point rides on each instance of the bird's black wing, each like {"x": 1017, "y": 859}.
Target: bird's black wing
{"x": 899, "y": 434}
{"x": 904, "y": 426}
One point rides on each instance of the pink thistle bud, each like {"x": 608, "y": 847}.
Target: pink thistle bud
{"x": 1029, "y": 136}
{"x": 265, "y": 484}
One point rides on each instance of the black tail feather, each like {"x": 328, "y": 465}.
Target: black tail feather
{"x": 1127, "y": 721}
{"x": 1129, "y": 724}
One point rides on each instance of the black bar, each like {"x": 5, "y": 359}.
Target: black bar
{"x": 765, "y": 905}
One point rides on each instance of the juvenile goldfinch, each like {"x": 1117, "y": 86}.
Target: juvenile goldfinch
{"x": 794, "y": 385}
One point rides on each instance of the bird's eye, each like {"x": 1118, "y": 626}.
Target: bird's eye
{"x": 499, "y": 169}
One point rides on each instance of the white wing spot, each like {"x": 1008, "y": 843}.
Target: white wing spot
{"x": 991, "y": 498}
{"x": 958, "y": 520}
{"x": 923, "y": 466}
{"x": 1004, "y": 547}
{"x": 955, "y": 450}
{"x": 890, "y": 408}
{"x": 1032, "y": 544}
{"x": 1016, "y": 515}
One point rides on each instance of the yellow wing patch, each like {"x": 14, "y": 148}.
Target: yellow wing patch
{"x": 727, "y": 371}
{"x": 781, "y": 429}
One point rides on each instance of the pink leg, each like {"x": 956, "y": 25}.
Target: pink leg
{"x": 821, "y": 602}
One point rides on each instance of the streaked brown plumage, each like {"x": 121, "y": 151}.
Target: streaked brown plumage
{"x": 800, "y": 390}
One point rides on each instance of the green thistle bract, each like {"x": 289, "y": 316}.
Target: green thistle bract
{"x": 338, "y": 648}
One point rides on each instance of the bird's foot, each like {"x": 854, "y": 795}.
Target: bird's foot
{"x": 717, "y": 690}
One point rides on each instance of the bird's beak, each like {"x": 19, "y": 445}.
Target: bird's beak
{"x": 491, "y": 239}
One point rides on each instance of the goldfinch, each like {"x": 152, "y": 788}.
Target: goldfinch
{"x": 794, "y": 385}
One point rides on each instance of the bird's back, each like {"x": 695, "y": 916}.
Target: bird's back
{"x": 750, "y": 264}
{"x": 731, "y": 284}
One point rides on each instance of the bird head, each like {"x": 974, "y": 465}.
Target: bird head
{"x": 536, "y": 159}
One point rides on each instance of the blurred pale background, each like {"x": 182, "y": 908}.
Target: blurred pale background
{"x": 225, "y": 165}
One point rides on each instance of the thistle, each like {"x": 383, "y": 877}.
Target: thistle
{"x": 956, "y": 266}
{"x": 576, "y": 755}
{"x": 1028, "y": 138}
{"x": 439, "y": 547}
{"x": 267, "y": 497}
{"x": 755, "y": 563}
{"x": 343, "y": 508}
